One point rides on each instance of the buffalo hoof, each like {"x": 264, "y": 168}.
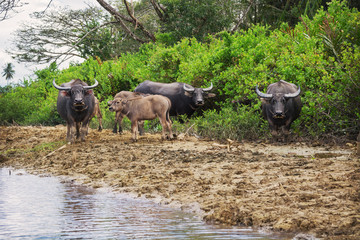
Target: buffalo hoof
{"x": 170, "y": 137}
{"x": 100, "y": 129}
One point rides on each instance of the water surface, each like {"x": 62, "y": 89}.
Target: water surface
{"x": 33, "y": 207}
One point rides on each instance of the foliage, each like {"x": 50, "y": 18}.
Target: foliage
{"x": 8, "y": 71}
{"x": 320, "y": 54}
{"x": 196, "y": 18}
{"x": 242, "y": 123}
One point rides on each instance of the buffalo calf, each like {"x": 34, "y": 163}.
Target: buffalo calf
{"x": 144, "y": 108}
{"x": 118, "y": 115}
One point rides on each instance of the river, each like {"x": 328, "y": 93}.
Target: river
{"x": 35, "y": 207}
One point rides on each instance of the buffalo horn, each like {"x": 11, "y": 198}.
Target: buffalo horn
{"x": 263, "y": 95}
{"x": 292, "y": 95}
{"x": 60, "y": 88}
{"x": 92, "y": 86}
{"x": 208, "y": 89}
{"x": 188, "y": 89}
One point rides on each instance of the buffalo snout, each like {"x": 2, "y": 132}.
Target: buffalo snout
{"x": 199, "y": 102}
{"x": 79, "y": 102}
{"x": 279, "y": 114}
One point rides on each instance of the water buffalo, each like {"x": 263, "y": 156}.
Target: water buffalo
{"x": 119, "y": 116}
{"x": 281, "y": 105}
{"x": 144, "y": 108}
{"x": 75, "y": 104}
{"x": 184, "y": 98}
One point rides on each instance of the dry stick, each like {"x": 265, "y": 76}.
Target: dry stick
{"x": 62, "y": 147}
{"x": 189, "y": 129}
{"x": 286, "y": 193}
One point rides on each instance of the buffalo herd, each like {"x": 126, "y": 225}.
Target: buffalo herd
{"x": 77, "y": 105}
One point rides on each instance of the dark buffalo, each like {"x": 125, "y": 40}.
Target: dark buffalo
{"x": 281, "y": 105}
{"x": 118, "y": 115}
{"x": 144, "y": 108}
{"x": 184, "y": 98}
{"x": 75, "y": 104}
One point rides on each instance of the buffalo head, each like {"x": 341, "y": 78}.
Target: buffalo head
{"x": 76, "y": 93}
{"x": 277, "y": 101}
{"x": 198, "y": 94}
{"x": 117, "y": 104}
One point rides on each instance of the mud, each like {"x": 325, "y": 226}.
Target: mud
{"x": 296, "y": 188}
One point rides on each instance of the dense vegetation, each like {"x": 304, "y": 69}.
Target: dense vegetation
{"x": 321, "y": 55}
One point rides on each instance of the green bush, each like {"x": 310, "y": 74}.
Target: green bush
{"x": 242, "y": 123}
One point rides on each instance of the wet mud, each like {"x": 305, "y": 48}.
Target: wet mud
{"x": 298, "y": 187}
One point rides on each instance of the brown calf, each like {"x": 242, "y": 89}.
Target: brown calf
{"x": 118, "y": 115}
{"x": 145, "y": 108}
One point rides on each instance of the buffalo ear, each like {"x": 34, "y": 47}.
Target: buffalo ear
{"x": 189, "y": 94}
{"x": 209, "y": 95}
{"x": 90, "y": 91}
{"x": 265, "y": 100}
{"x": 124, "y": 101}
{"x": 64, "y": 93}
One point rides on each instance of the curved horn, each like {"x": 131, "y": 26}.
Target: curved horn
{"x": 92, "y": 86}
{"x": 263, "y": 95}
{"x": 60, "y": 88}
{"x": 292, "y": 95}
{"x": 208, "y": 89}
{"x": 188, "y": 89}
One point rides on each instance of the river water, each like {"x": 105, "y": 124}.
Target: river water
{"x": 34, "y": 207}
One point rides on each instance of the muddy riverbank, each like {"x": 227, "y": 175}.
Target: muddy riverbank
{"x": 298, "y": 187}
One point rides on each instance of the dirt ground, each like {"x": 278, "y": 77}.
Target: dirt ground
{"x": 298, "y": 188}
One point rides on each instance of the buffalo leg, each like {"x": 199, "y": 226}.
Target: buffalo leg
{"x": 118, "y": 120}
{"x": 171, "y": 135}
{"x": 68, "y": 132}
{"x": 71, "y": 133}
{"x": 134, "y": 126}
{"x": 163, "y": 124}
{"x": 78, "y": 125}
{"x": 115, "y": 127}
{"x": 84, "y": 129}
{"x": 141, "y": 128}
{"x": 169, "y": 125}
{"x": 99, "y": 117}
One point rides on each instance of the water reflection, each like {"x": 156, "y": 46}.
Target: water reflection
{"x": 33, "y": 207}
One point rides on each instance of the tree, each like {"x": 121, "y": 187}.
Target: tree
{"x": 7, "y": 6}
{"x": 198, "y": 18}
{"x": 63, "y": 33}
{"x": 274, "y": 12}
{"x": 8, "y": 72}
{"x": 179, "y": 18}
